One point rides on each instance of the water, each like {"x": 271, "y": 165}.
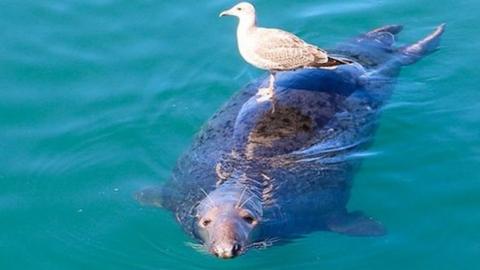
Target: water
{"x": 98, "y": 99}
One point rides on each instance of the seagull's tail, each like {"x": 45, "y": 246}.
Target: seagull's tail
{"x": 333, "y": 61}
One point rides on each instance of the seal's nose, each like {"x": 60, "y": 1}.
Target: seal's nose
{"x": 227, "y": 251}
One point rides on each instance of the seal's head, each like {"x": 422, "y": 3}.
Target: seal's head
{"x": 226, "y": 221}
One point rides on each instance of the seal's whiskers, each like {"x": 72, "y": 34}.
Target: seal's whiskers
{"x": 207, "y": 196}
{"x": 240, "y": 198}
{"x": 245, "y": 202}
{"x": 265, "y": 243}
{"x": 198, "y": 247}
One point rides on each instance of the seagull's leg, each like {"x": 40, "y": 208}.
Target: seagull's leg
{"x": 268, "y": 93}
{"x": 271, "y": 88}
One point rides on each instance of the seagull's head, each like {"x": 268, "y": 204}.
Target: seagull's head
{"x": 243, "y": 10}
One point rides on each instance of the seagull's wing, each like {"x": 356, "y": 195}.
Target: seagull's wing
{"x": 285, "y": 50}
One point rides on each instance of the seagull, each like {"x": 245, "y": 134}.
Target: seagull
{"x": 274, "y": 49}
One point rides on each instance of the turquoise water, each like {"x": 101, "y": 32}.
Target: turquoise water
{"x": 98, "y": 99}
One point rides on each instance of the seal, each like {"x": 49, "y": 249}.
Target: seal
{"x": 253, "y": 178}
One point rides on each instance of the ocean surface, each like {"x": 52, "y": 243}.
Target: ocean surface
{"x": 98, "y": 98}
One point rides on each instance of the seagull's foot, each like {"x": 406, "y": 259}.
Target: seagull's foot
{"x": 264, "y": 94}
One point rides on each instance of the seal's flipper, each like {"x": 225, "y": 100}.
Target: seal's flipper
{"x": 355, "y": 224}
{"x": 151, "y": 196}
{"x": 414, "y": 52}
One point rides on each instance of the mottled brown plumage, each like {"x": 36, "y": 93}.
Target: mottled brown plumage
{"x": 274, "y": 49}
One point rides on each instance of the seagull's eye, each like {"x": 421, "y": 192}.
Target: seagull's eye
{"x": 239, "y": 8}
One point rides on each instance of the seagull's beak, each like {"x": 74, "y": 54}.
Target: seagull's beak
{"x": 225, "y": 13}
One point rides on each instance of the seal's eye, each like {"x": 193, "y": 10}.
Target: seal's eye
{"x": 205, "y": 222}
{"x": 249, "y": 219}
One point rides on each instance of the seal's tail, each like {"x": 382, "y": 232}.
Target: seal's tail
{"x": 414, "y": 52}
